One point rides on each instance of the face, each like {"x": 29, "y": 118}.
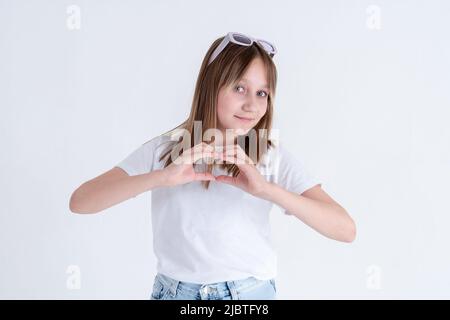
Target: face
{"x": 241, "y": 105}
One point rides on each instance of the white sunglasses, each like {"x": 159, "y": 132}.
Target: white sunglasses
{"x": 242, "y": 40}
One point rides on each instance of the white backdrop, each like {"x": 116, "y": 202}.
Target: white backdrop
{"x": 362, "y": 97}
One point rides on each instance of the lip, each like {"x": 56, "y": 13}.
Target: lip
{"x": 244, "y": 119}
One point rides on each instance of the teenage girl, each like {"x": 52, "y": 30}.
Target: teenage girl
{"x": 214, "y": 180}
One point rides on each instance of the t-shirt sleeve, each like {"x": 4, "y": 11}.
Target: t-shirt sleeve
{"x": 291, "y": 172}
{"x": 139, "y": 161}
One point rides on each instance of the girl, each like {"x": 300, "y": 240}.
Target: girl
{"x": 214, "y": 180}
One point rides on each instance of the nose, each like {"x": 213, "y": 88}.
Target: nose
{"x": 251, "y": 104}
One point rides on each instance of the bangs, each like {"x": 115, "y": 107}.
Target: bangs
{"x": 240, "y": 61}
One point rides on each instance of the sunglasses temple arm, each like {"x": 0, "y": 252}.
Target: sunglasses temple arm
{"x": 219, "y": 49}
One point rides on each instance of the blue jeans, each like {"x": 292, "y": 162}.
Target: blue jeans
{"x": 165, "y": 288}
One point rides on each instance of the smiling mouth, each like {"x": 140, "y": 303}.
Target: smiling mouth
{"x": 244, "y": 119}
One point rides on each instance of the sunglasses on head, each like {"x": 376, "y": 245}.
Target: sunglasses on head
{"x": 243, "y": 40}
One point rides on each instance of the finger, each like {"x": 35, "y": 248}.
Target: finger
{"x": 238, "y": 159}
{"x": 195, "y": 156}
{"x": 201, "y": 147}
{"x": 226, "y": 179}
{"x": 240, "y": 164}
{"x": 204, "y": 176}
{"x": 204, "y": 147}
{"x": 239, "y": 153}
{"x": 225, "y": 147}
{"x": 206, "y": 155}
{"x": 243, "y": 167}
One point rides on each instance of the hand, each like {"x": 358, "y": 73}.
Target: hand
{"x": 249, "y": 179}
{"x": 181, "y": 170}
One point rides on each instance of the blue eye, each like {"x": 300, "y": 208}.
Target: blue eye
{"x": 265, "y": 94}
{"x": 262, "y": 94}
{"x": 237, "y": 88}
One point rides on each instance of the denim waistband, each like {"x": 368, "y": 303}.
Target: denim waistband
{"x": 220, "y": 288}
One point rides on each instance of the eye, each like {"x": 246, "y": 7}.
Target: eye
{"x": 264, "y": 94}
{"x": 237, "y": 88}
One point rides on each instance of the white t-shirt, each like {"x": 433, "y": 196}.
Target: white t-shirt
{"x": 216, "y": 234}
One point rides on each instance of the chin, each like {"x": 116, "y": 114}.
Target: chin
{"x": 242, "y": 131}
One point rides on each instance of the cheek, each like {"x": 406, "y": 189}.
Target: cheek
{"x": 226, "y": 107}
{"x": 262, "y": 109}
{"x": 265, "y": 104}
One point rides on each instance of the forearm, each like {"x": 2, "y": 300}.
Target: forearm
{"x": 328, "y": 219}
{"x": 95, "y": 196}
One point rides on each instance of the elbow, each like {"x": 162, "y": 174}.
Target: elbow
{"x": 73, "y": 204}
{"x": 76, "y": 203}
{"x": 350, "y": 232}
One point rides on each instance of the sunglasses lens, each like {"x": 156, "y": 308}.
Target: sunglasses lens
{"x": 242, "y": 39}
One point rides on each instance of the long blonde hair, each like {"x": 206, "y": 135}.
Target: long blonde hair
{"x": 227, "y": 68}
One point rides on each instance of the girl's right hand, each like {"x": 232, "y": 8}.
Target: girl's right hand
{"x": 181, "y": 170}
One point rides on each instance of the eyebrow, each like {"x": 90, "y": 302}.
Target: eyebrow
{"x": 264, "y": 86}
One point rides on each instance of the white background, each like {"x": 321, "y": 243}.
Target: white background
{"x": 362, "y": 98}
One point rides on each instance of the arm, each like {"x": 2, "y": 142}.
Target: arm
{"x": 315, "y": 208}
{"x": 115, "y": 185}
{"x": 111, "y": 188}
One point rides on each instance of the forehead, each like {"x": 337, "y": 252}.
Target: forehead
{"x": 256, "y": 74}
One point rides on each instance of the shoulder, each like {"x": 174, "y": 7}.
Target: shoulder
{"x": 283, "y": 153}
{"x": 158, "y": 142}
{"x": 276, "y": 152}
{"x": 280, "y": 159}
{"x": 159, "y": 147}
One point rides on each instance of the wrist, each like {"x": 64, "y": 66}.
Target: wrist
{"x": 266, "y": 191}
{"x": 157, "y": 178}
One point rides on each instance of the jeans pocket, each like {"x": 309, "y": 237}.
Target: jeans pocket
{"x": 260, "y": 290}
{"x": 160, "y": 290}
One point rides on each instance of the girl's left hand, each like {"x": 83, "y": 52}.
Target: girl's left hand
{"x": 249, "y": 179}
